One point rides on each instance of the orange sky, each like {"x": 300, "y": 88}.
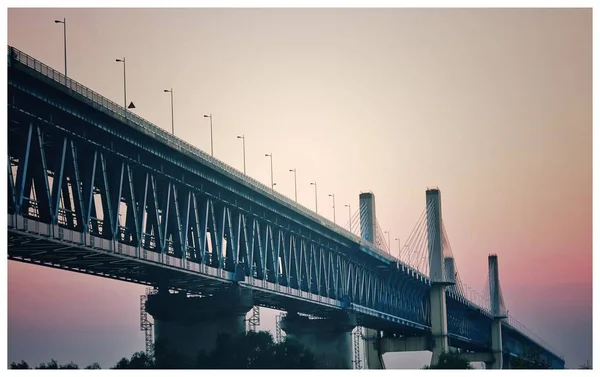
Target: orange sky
{"x": 492, "y": 106}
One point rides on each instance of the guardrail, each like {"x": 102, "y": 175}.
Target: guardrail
{"x": 149, "y": 128}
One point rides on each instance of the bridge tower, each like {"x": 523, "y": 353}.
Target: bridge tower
{"x": 498, "y": 313}
{"x": 373, "y": 355}
{"x": 439, "y": 281}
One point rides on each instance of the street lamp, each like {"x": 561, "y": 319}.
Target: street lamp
{"x": 243, "y": 137}
{"x": 388, "y": 234}
{"x": 64, "y": 22}
{"x": 271, "y": 156}
{"x": 349, "y": 217}
{"x": 124, "y": 84}
{"x": 295, "y": 185}
{"x": 211, "y": 134}
{"x": 333, "y": 196}
{"x": 399, "y": 248}
{"x": 172, "y": 119}
{"x": 315, "y": 184}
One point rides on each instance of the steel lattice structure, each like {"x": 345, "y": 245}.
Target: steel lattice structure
{"x": 254, "y": 319}
{"x": 95, "y": 189}
{"x": 278, "y": 331}
{"x": 145, "y": 324}
{"x": 357, "y": 342}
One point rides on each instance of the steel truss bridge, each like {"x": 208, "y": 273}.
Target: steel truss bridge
{"x": 96, "y": 189}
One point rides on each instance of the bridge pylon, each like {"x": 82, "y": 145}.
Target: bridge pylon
{"x": 368, "y": 227}
{"x": 498, "y": 312}
{"x": 437, "y": 275}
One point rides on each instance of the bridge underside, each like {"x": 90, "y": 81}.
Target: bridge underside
{"x": 145, "y": 267}
{"x": 47, "y": 252}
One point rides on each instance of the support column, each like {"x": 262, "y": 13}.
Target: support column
{"x": 497, "y": 312}
{"x": 437, "y": 294}
{"x": 330, "y": 339}
{"x": 188, "y": 325}
{"x": 373, "y": 355}
{"x": 373, "y": 351}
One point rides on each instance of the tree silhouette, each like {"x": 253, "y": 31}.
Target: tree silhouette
{"x": 450, "y": 360}
{"x": 93, "y": 366}
{"x": 256, "y": 350}
{"x": 531, "y": 359}
{"x": 20, "y": 365}
{"x": 139, "y": 360}
{"x": 52, "y": 364}
{"x": 253, "y": 350}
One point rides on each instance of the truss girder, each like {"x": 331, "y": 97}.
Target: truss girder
{"x": 116, "y": 200}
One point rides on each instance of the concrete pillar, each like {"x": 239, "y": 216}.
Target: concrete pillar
{"x": 367, "y": 216}
{"x": 497, "y": 312}
{"x": 368, "y": 228}
{"x": 329, "y": 339}
{"x": 188, "y": 325}
{"x": 373, "y": 351}
{"x": 437, "y": 295}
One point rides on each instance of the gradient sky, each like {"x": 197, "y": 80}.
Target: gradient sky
{"x": 492, "y": 106}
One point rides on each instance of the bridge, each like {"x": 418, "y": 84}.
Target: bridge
{"x": 96, "y": 189}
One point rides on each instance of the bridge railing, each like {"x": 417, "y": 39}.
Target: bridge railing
{"x": 121, "y": 113}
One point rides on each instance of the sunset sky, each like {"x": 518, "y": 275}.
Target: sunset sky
{"x": 492, "y": 106}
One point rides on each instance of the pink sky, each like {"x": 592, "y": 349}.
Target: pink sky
{"x": 492, "y": 106}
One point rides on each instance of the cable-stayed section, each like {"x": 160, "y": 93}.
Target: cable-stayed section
{"x": 414, "y": 252}
{"x": 381, "y": 240}
{"x": 480, "y": 299}
{"x": 353, "y": 224}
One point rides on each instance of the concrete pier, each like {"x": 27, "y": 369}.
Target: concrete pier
{"x": 188, "y": 325}
{"x": 330, "y": 339}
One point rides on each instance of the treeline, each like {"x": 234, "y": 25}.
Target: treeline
{"x": 253, "y": 350}
{"x": 529, "y": 360}
{"x": 257, "y": 350}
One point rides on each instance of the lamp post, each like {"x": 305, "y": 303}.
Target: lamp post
{"x": 64, "y": 22}
{"x": 172, "y": 119}
{"x": 333, "y": 196}
{"x": 211, "y": 133}
{"x": 389, "y": 247}
{"x": 124, "y": 83}
{"x": 295, "y": 185}
{"x": 243, "y": 137}
{"x": 315, "y": 184}
{"x": 399, "y": 246}
{"x": 349, "y": 217}
{"x": 271, "y": 156}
